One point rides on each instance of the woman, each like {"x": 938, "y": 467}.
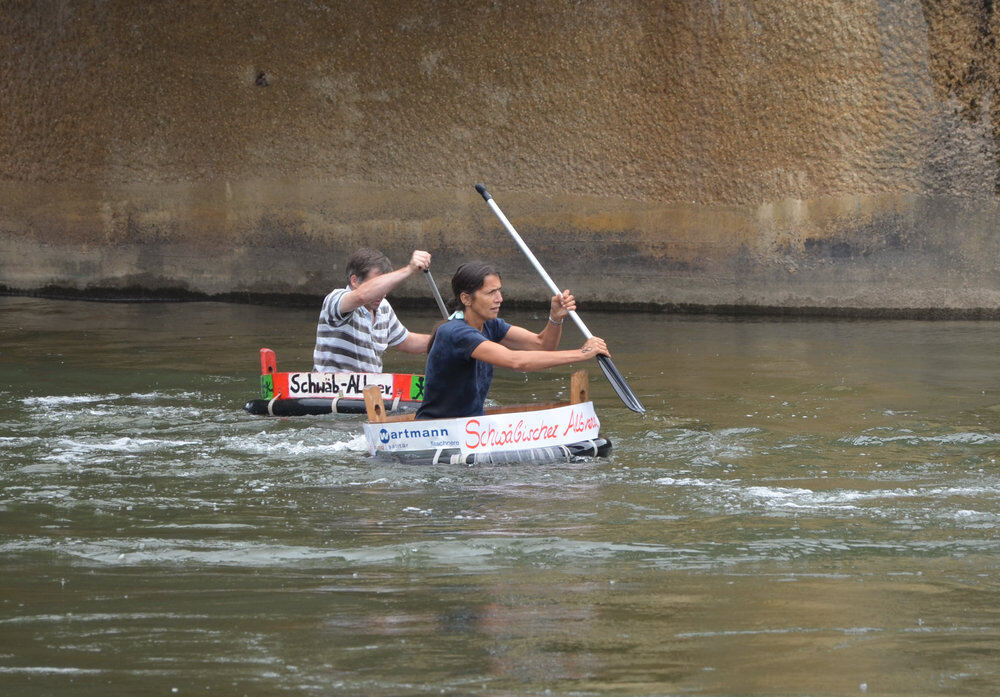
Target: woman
{"x": 464, "y": 348}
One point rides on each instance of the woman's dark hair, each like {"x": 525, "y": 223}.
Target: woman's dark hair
{"x": 469, "y": 278}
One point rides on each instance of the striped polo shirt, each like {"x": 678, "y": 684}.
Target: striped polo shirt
{"x": 354, "y": 343}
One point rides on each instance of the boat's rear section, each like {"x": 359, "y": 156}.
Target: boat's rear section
{"x": 313, "y": 394}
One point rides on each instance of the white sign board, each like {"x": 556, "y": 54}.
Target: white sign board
{"x": 516, "y": 431}
{"x": 336, "y": 384}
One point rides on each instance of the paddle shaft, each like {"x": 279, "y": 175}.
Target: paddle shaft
{"x": 437, "y": 294}
{"x": 616, "y": 379}
{"x": 531, "y": 257}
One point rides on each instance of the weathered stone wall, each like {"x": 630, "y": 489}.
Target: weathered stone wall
{"x": 771, "y": 153}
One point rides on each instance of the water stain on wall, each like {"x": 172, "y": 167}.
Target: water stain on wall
{"x": 765, "y": 152}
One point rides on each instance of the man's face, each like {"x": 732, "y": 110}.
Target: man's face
{"x": 355, "y": 283}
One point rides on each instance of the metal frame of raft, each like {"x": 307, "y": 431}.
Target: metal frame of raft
{"x": 328, "y": 393}
{"x": 523, "y": 434}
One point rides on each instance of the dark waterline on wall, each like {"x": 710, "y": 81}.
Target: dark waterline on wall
{"x": 167, "y": 295}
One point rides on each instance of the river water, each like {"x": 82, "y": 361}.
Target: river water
{"x": 808, "y": 508}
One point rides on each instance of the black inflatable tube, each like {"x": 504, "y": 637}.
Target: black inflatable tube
{"x": 316, "y": 406}
{"x": 599, "y": 447}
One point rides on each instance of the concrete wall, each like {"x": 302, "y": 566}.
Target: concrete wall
{"x": 764, "y": 154}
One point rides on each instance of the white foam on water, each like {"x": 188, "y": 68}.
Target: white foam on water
{"x": 49, "y": 670}
{"x": 909, "y": 438}
{"x": 707, "y": 448}
{"x": 49, "y": 401}
{"x": 734, "y": 494}
{"x": 746, "y": 431}
{"x": 202, "y": 526}
{"x": 123, "y": 444}
{"x": 291, "y": 443}
{"x": 146, "y": 413}
{"x": 100, "y": 617}
{"x": 70, "y": 400}
{"x": 49, "y": 465}
{"x": 198, "y": 396}
{"x": 787, "y": 630}
{"x": 688, "y": 481}
{"x": 20, "y": 441}
{"x": 474, "y": 553}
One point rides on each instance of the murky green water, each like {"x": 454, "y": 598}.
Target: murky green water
{"x": 808, "y": 508}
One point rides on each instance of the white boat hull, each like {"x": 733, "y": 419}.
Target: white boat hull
{"x": 544, "y": 435}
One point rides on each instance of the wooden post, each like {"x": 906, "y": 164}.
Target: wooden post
{"x": 579, "y": 387}
{"x": 374, "y": 404}
{"x": 268, "y": 363}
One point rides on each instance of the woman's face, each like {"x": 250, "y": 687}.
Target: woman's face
{"x": 486, "y": 300}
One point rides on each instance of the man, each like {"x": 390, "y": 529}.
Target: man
{"x": 357, "y": 324}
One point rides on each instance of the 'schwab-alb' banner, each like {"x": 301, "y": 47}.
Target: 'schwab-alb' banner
{"x": 516, "y": 431}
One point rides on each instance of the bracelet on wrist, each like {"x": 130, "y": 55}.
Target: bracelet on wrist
{"x": 558, "y": 324}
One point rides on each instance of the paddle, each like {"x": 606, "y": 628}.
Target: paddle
{"x": 437, "y": 294}
{"x": 616, "y": 379}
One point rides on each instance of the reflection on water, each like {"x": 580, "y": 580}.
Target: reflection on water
{"x": 809, "y": 507}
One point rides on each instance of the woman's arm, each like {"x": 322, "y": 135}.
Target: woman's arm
{"x": 528, "y": 361}
{"x": 522, "y": 339}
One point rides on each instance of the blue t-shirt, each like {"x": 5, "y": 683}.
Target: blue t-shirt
{"x": 455, "y": 383}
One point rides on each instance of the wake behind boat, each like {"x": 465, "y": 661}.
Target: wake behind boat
{"x": 311, "y": 394}
{"x": 527, "y": 433}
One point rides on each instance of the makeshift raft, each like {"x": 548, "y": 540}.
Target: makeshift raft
{"x": 309, "y": 394}
{"x": 527, "y": 433}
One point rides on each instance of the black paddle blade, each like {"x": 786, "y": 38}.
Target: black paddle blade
{"x": 621, "y": 387}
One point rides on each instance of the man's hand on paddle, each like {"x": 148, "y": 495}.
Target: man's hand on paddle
{"x": 370, "y": 291}
{"x": 420, "y": 260}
